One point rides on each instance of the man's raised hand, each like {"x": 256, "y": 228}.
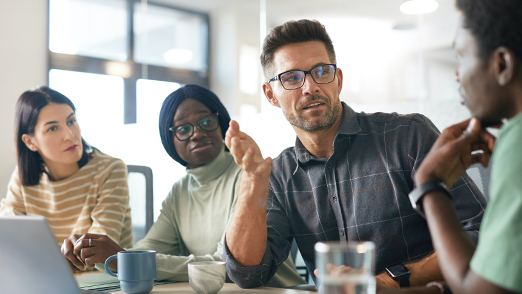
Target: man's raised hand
{"x": 246, "y": 153}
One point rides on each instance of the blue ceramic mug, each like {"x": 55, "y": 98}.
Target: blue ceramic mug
{"x": 136, "y": 270}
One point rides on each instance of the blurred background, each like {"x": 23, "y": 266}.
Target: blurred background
{"x": 118, "y": 59}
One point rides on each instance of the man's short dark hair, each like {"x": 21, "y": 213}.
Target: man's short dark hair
{"x": 494, "y": 23}
{"x": 291, "y": 32}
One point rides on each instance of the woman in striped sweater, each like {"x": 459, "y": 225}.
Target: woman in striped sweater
{"x": 59, "y": 176}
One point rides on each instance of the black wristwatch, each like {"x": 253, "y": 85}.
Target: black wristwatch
{"x": 399, "y": 273}
{"x": 429, "y": 186}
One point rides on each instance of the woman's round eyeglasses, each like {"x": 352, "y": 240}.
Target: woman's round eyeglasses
{"x": 185, "y": 131}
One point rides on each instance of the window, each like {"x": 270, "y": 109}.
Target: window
{"x": 95, "y": 28}
{"x": 117, "y": 60}
{"x": 129, "y": 39}
{"x": 183, "y": 49}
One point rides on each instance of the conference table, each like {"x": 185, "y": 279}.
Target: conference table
{"x": 228, "y": 288}
{"x": 102, "y": 281}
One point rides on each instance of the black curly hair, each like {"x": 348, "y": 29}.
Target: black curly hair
{"x": 494, "y": 23}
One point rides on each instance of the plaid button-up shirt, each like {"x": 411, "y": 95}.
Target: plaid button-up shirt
{"x": 360, "y": 193}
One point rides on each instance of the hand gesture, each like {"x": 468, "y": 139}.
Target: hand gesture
{"x": 246, "y": 153}
{"x": 454, "y": 152}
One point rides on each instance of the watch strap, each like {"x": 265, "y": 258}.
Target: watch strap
{"x": 404, "y": 281}
{"x": 427, "y": 187}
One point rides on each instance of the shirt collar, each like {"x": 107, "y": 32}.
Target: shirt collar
{"x": 349, "y": 126}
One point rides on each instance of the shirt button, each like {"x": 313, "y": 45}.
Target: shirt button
{"x": 334, "y": 198}
{"x": 329, "y": 165}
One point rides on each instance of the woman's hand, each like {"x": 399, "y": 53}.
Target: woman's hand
{"x": 90, "y": 249}
{"x": 67, "y": 249}
{"x": 96, "y": 248}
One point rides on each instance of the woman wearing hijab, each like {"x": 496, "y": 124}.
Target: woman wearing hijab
{"x": 195, "y": 213}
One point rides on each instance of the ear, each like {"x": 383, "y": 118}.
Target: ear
{"x": 339, "y": 80}
{"x": 504, "y": 65}
{"x": 29, "y": 142}
{"x": 269, "y": 94}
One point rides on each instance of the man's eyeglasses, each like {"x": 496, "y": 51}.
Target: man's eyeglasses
{"x": 294, "y": 79}
{"x": 185, "y": 131}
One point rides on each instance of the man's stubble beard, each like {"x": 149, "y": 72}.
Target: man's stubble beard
{"x": 308, "y": 126}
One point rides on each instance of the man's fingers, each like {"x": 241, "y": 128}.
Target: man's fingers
{"x": 231, "y": 132}
{"x": 249, "y": 157}
{"x": 482, "y": 158}
{"x": 489, "y": 139}
{"x": 236, "y": 150}
{"x": 234, "y": 126}
{"x": 228, "y": 138}
{"x": 265, "y": 165}
{"x": 455, "y": 130}
{"x": 473, "y": 126}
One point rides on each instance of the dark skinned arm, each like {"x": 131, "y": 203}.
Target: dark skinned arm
{"x": 448, "y": 159}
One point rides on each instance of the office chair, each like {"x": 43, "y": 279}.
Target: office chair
{"x": 481, "y": 176}
{"x": 141, "y": 199}
{"x": 302, "y": 270}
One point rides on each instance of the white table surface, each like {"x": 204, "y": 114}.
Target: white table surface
{"x": 228, "y": 288}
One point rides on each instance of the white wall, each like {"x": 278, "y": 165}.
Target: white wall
{"x": 23, "y": 65}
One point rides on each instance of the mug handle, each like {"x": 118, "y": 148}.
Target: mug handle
{"x": 107, "y": 269}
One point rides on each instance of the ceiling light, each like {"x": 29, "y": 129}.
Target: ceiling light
{"x": 178, "y": 56}
{"x": 419, "y": 6}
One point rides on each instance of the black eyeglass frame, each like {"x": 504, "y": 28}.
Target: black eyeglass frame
{"x": 306, "y": 72}
{"x": 173, "y": 129}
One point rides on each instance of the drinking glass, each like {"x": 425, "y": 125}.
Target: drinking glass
{"x": 345, "y": 267}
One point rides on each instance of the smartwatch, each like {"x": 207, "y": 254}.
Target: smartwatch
{"x": 419, "y": 192}
{"x": 399, "y": 273}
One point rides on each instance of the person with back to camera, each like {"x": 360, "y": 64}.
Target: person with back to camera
{"x": 77, "y": 188}
{"x": 195, "y": 214}
{"x": 488, "y": 46}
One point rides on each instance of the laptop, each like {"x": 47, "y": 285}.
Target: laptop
{"x": 31, "y": 261}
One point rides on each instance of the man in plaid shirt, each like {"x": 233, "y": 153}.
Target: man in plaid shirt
{"x": 347, "y": 178}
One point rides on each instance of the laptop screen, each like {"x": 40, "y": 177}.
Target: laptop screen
{"x": 30, "y": 260}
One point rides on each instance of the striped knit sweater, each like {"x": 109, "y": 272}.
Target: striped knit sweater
{"x": 95, "y": 199}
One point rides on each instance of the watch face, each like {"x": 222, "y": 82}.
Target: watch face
{"x": 398, "y": 270}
